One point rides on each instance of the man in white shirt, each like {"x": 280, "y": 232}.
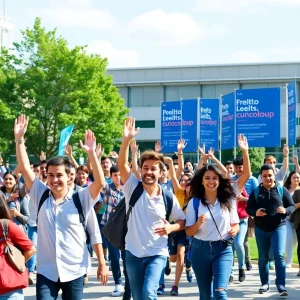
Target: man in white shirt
{"x": 147, "y": 236}
{"x": 62, "y": 257}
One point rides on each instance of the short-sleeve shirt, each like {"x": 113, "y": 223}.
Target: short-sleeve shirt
{"x": 61, "y": 247}
{"x": 208, "y": 231}
{"x": 146, "y": 216}
{"x": 112, "y": 197}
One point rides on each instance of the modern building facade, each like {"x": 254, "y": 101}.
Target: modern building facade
{"x": 143, "y": 89}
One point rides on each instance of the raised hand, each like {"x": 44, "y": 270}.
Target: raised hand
{"x": 68, "y": 150}
{"x": 20, "y": 127}
{"x": 285, "y": 150}
{"x": 134, "y": 147}
{"x": 210, "y": 153}
{"x": 202, "y": 150}
{"x": 99, "y": 150}
{"x": 42, "y": 156}
{"x": 129, "y": 128}
{"x": 114, "y": 155}
{"x": 158, "y": 147}
{"x": 243, "y": 143}
{"x": 89, "y": 142}
{"x": 295, "y": 160}
{"x": 181, "y": 145}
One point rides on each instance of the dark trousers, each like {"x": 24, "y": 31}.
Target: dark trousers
{"x": 47, "y": 289}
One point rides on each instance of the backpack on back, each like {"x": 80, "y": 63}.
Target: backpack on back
{"x": 77, "y": 204}
{"x": 116, "y": 228}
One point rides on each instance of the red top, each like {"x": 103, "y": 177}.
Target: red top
{"x": 242, "y": 205}
{"x": 16, "y": 237}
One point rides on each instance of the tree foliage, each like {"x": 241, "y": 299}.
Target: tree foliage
{"x": 56, "y": 86}
{"x": 256, "y": 156}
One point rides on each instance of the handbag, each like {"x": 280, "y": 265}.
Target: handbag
{"x": 10, "y": 277}
{"x": 227, "y": 242}
{"x": 14, "y": 255}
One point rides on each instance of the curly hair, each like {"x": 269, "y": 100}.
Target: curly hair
{"x": 225, "y": 192}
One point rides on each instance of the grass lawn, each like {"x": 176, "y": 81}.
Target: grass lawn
{"x": 254, "y": 252}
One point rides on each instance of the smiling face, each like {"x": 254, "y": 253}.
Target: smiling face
{"x": 57, "y": 179}
{"x": 184, "y": 181}
{"x": 72, "y": 176}
{"x": 210, "y": 181}
{"x": 295, "y": 179}
{"x": 267, "y": 178}
{"x": 230, "y": 168}
{"x": 9, "y": 182}
{"x": 150, "y": 172}
{"x": 238, "y": 170}
{"x": 82, "y": 177}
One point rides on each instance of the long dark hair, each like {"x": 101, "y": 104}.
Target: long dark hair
{"x": 15, "y": 188}
{"x": 288, "y": 181}
{"x": 225, "y": 192}
{"x": 4, "y": 212}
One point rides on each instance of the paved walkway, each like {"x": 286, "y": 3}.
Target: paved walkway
{"x": 246, "y": 290}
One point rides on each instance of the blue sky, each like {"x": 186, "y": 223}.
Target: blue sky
{"x": 165, "y": 33}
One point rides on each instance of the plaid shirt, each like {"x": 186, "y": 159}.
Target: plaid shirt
{"x": 111, "y": 197}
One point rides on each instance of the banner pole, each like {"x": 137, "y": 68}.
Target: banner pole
{"x": 234, "y": 134}
{"x": 220, "y": 128}
{"x": 181, "y": 118}
{"x": 287, "y": 115}
{"x": 198, "y": 128}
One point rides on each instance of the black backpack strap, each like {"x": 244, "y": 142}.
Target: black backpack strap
{"x": 137, "y": 193}
{"x": 44, "y": 197}
{"x": 78, "y": 205}
{"x": 168, "y": 200}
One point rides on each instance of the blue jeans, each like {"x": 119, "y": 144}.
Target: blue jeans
{"x": 32, "y": 235}
{"x": 144, "y": 274}
{"x": 239, "y": 243}
{"x": 212, "y": 262}
{"x": 114, "y": 255}
{"x": 47, "y": 289}
{"x": 275, "y": 239}
{"x": 14, "y": 295}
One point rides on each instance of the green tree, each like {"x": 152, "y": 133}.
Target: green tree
{"x": 57, "y": 86}
{"x": 256, "y": 155}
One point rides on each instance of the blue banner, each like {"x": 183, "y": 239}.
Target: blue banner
{"x": 170, "y": 125}
{"x": 64, "y": 139}
{"x": 176, "y": 124}
{"x": 189, "y": 124}
{"x": 258, "y": 116}
{"x": 209, "y": 123}
{"x": 292, "y": 112}
{"x": 228, "y": 121}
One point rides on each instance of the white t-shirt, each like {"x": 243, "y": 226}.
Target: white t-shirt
{"x": 145, "y": 217}
{"x": 208, "y": 231}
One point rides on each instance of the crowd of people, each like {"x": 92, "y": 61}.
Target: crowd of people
{"x": 197, "y": 217}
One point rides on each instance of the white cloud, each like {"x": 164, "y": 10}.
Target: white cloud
{"x": 167, "y": 29}
{"x": 116, "y": 57}
{"x": 78, "y": 14}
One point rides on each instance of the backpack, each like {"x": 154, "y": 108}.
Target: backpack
{"x": 77, "y": 204}
{"x": 116, "y": 228}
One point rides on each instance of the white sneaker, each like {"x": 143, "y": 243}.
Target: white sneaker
{"x": 118, "y": 291}
{"x": 288, "y": 266}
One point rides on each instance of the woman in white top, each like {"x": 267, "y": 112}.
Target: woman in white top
{"x": 212, "y": 219}
{"x": 292, "y": 183}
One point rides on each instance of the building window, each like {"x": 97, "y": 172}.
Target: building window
{"x": 145, "y": 124}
